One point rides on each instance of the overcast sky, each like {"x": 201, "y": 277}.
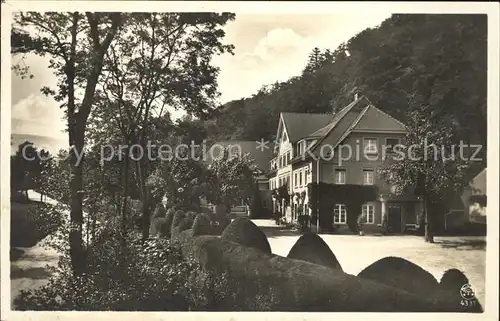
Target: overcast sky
{"x": 268, "y": 48}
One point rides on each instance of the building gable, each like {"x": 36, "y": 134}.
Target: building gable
{"x": 373, "y": 119}
{"x": 341, "y": 126}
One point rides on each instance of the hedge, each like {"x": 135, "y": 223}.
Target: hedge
{"x": 295, "y": 285}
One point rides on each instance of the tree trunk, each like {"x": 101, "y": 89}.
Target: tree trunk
{"x": 429, "y": 233}
{"x": 124, "y": 209}
{"x": 146, "y": 218}
{"x": 77, "y": 252}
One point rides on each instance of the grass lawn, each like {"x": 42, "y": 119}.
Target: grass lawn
{"x": 354, "y": 253}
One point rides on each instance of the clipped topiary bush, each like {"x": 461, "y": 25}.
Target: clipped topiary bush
{"x": 203, "y": 226}
{"x": 171, "y": 211}
{"x": 159, "y": 211}
{"x": 185, "y": 224}
{"x": 245, "y": 232}
{"x": 453, "y": 280}
{"x": 403, "y": 274}
{"x": 453, "y": 285}
{"x": 310, "y": 247}
{"x": 176, "y": 220}
{"x": 191, "y": 215}
{"x": 159, "y": 227}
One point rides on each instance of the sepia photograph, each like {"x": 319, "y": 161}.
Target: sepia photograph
{"x": 215, "y": 158}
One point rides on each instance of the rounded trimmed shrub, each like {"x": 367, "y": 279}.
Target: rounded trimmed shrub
{"x": 159, "y": 227}
{"x": 450, "y": 287}
{"x": 171, "y": 211}
{"x": 202, "y": 225}
{"x": 176, "y": 220}
{"x": 159, "y": 211}
{"x": 191, "y": 215}
{"x": 453, "y": 280}
{"x": 403, "y": 274}
{"x": 310, "y": 247}
{"x": 245, "y": 232}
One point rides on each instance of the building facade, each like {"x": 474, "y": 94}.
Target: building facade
{"x": 348, "y": 148}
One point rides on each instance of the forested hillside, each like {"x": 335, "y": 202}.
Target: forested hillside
{"x": 440, "y": 58}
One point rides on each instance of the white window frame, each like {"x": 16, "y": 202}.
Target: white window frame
{"x": 301, "y": 179}
{"x": 340, "y": 170}
{"x": 369, "y": 209}
{"x": 340, "y": 214}
{"x": 368, "y": 170}
{"x": 369, "y": 151}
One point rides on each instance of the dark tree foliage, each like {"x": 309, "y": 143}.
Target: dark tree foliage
{"x": 442, "y": 57}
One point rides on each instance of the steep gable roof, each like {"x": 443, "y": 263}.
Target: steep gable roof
{"x": 336, "y": 130}
{"x": 359, "y": 115}
{"x": 323, "y": 131}
{"x": 299, "y": 125}
{"x": 374, "y": 119}
{"x": 261, "y": 156}
{"x": 478, "y": 184}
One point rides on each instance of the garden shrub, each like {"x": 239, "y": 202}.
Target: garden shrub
{"x": 310, "y": 247}
{"x": 176, "y": 220}
{"x": 203, "y": 226}
{"x": 159, "y": 227}
{"x": 159, "y": 211}
{"x": 403, "y": 274}
{"x": 449, "y": 287}
{"x": 452, "y": 280}
{"x": 156, "y": 277}
{"x": 31, "y": 223}
{"x": 295, "y": 285}
{"x": 245, "y": 232}
{"x": 191, "y": 215}
{"x": 185, "y": 224}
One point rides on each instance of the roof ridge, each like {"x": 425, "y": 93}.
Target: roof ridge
{"x": 304, "y": 113}
{"x": 343, "y": 112}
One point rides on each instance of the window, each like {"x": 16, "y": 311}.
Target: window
{"x": 295, "y": 180}
{"x": 340, "y": 214}
{"x": 369, "y": 213}
{"x": 390, "y": 143}
{"x": 368, "y": 177}
{"x": 234, "y": 151}
{"x": 280, "y": 182}
{"x": 300, "y": 178}
{"x": 340, "y": 176}
{"x": 370, "y": 145}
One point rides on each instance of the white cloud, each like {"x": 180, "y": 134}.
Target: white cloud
{"x": 282, "y": 52}
{"x": 38, "y": 115}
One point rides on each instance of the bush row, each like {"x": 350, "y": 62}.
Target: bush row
{"x": 311, "y": 278}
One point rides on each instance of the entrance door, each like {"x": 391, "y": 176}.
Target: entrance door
{"x": 394, "y": 218}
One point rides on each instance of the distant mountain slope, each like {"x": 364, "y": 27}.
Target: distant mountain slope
{"x": 442, "y": 58}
